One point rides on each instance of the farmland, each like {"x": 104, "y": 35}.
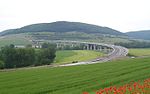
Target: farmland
{"x": 74, "y": 79}
{"x": 13, "y": 39}
{"x": 68, "y": 56}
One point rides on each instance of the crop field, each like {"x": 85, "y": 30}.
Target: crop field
{"x": 68, "y": 56}
{"x": 74, "y": 79}
{"x": 140, "y": 52}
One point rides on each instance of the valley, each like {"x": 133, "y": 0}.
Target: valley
{"x": 90, "y": 57}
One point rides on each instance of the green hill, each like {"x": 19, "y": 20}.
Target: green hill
{"x": 63, "y": 26}
{"x": 144, "y": 34}
{"x": 63, "y": 30}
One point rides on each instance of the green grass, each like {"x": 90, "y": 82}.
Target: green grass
{"x": 68, "y": 56}
{"x": 73, "y": 79}
{"x": 140, "y": 52}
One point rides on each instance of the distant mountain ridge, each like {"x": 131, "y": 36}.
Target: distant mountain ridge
{"x": 143, "y": 34}
{"x": 63, "y": 26}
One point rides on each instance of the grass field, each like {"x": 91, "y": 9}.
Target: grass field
{"x": 140, "y": 52}
{"x": 68, "y": 56}
{"x": 73, "y": 79}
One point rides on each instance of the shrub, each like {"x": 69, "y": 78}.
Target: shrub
{"x": 74, "y": 61}
{"x": 22, "y": 57}
{"x": 2, "y": 64}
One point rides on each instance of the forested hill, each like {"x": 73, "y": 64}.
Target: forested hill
{"x": 144, "y": 34}
{"x": 63, "y": 26}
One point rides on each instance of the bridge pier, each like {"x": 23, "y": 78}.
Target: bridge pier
{"x": 87, "y": 47}
{"x": 94, "y": 46}
{"x": 99, "y": 48}
{"x": 83, "y": 45}
{"x": 91, "y": 47}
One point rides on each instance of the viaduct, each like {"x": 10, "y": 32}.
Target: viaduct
{"x": 113, "y": 51}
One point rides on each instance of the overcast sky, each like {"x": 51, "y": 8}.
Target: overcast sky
{"x": 122, "y": 15}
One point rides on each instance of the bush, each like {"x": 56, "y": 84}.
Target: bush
{"x": 2, "y": 65}
{"x": 74, "y": 61}
{"x": 17, "y": 57}
{"x": 46, "y": 56}
{"x": 22, "y": 57}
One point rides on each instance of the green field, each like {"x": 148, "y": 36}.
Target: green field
{"x": 73, "y": 79}
{"x": 68, "y": 56}
{"x": 140, "y": 52}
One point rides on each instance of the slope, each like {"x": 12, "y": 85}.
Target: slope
{"x": 63, "y": 26}
{"x": 73, "y": 79}
{"x": 144, "y": 34}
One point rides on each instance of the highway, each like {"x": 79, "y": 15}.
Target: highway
{"x": 118, "y": 52}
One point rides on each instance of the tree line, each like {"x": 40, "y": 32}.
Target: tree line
{"x": 135, "y": 44}
{"x": 11, "y": 57}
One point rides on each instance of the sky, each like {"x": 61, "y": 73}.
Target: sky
{"x": 122, "y": 15}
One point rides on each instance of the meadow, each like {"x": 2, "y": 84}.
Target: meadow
{"x": 68, "y": 56}
{"x": 74, "y": 79}
{"x": 139, "y": 51}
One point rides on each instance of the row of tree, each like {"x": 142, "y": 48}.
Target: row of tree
{"x": 135, "y": 44}
{"x": 11, "y": 57}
